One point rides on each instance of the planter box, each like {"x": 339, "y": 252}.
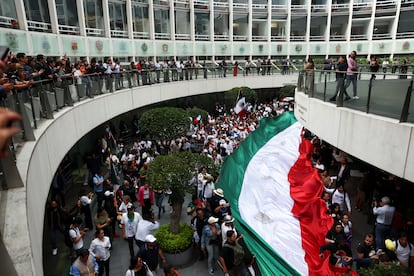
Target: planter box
{"x": 181, "y": 259}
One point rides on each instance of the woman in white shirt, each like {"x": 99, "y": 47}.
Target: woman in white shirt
{"x": 99, "y": 248}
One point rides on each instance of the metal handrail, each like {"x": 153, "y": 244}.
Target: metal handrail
{"x": 306, "y": 83}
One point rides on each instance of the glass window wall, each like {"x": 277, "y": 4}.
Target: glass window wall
{"x": 93, "y": 17}
{"x": 338, "y": 27}
{"x": 162, "y": 24}
{"x": 298, "y": 30}
{"x": 37, "y": 15}
{"x": 382, "y": 28}
{"x": 406, "y": 24}
{"x": 318, "y": 27}
{"x": 202, "y": 25}
{"x": 221, "y": 26}
{"x": 67, "y": 12}
{"x": 359, "y": 29}
{"x": 118, "y": 19}
{"x": 140, "y": 21}
{"x": 8, "y": 15}
{"x": 240, "y": 26}
{"x": 182, "y": 24}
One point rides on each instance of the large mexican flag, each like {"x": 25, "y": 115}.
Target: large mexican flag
{"x": 275, "y": 196}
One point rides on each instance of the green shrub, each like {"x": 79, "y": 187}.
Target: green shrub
{"x": 174, "y": 243}
{"x": 392, "y": 269}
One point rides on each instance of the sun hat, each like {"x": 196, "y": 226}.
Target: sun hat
{"x": 212, "y": 220}
{"x": 219, "y": 192}
{"x": 228, "y": 218}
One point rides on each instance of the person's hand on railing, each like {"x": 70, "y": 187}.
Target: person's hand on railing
{"x": 7, "y": 129}
{"x": 7, "y": 86}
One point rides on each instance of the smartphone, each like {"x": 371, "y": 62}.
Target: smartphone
{"x": 4, "y": 51}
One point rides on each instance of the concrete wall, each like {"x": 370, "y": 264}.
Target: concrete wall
{"x": 382, "y": 142}
{"x": 37, "y": 161}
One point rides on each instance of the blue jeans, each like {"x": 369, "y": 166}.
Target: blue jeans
{"x": 213, "y": 253}
{"x": 353, "y": 79}
{"x": 381, "y": 231}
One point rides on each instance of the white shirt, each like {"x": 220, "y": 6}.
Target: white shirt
{"x": 100, "y": 248}
{"x": 131, "y": 226}
{"x": 74, "y": 233}
{"x": 84, "y": 200}
{"x": 384, "y": 214}
{"x": 341, "y": 198}
{"x": 123, "y": 208}
{"x": 404, "y": 253}
{"x": 208, "y": 190}
{"x": 224, "y": 229}
{"x": 146, "y": 227}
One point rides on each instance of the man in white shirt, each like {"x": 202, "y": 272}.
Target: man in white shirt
{"x": 130, "y": 222}
{"x": 384, "y": 213}
{"x": 146, "y": 226}
{"x": 404, "y": 251}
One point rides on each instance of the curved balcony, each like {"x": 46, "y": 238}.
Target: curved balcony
{"x": 376, "y": 128}
{"x": 37, "y": 160}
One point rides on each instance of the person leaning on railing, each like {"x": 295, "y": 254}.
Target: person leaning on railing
{"x": 7, "y": 117}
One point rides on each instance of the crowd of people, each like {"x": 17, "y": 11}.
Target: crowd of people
{"x": 118, "y": 195}
{"x": 373, "y": 196}
{"x": 124, "y": 188}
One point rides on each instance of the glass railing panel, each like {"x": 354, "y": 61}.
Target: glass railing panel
{"x": 410, "y": 118}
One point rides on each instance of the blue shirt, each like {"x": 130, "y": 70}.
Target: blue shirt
{"x": 98, "y": 179}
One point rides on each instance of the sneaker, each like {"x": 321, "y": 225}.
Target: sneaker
{"x": 54, "y": 251}
{"x": 347, "y": 98}
{"x": 332, "y": 99}
{"x": 211, "y": 272}
{"x": 355, "y": 97}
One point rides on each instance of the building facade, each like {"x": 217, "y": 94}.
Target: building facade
{"x": 208, "y": 30}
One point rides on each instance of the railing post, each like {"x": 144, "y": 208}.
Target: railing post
{"x": 27, "y": 128}
{"x": 9, "y": 175}
{"x": 32, "y": 107}
{"x": 406, "y": 106}
{"x": 340, "y": 98}
{"x": 324, "y": 88}
{"x": 369, "y": 93}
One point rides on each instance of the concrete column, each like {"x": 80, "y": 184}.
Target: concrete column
{"x": 53, "y": 16}
{"x": 151, "y": 19}
{"x": 81, "y": 17}
{"x": 130, "y": 19}
{"x": 107, "y": 24}
{"x": 21, "y": 15}
{"x": 172, "y": 20}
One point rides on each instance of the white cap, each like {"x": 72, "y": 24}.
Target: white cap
{"x": 150, "y": 238}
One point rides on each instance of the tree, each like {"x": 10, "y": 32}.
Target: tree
{"x": 164, "y": 123}
{"x": 195, "y": 111}
{"x": 174, "y": 172}
{"x": 230, "y": 96}
{"x": 287, "y": 91}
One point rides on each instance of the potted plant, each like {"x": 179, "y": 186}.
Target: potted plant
{"x": 177, "y": 248}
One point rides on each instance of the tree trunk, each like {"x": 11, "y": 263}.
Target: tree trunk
{"x": 176, "y": 217}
